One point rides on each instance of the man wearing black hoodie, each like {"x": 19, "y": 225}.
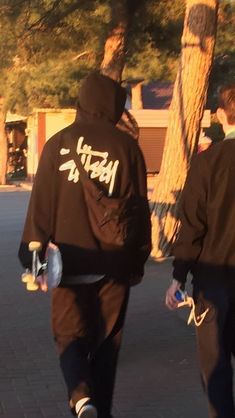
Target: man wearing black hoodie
{"x": 89, "y": 306}
{"x": 205, "y": 247}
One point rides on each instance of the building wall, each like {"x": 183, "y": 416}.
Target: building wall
{"x": 43, "y": 123}
{"x": 152, "y": 132}
{"x": 55, "y": 121}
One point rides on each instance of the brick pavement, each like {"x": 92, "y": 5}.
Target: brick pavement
{"x": 157, "y": 376}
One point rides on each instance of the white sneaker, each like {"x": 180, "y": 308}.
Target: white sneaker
{"x": 87, "y": 411}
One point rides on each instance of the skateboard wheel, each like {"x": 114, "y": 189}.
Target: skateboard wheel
{"x": 32, "y": 286}
{"x": 35, "y": 246}
{"x": 26, "y": 277}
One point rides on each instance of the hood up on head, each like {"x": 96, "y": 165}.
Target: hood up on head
{"x": 102, "y": 97}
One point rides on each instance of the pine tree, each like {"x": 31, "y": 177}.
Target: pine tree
{"x": 186, "y": 111}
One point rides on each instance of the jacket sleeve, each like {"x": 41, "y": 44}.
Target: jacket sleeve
{"x": 193, "y": 217}
{"x": 145, "y": 244}
{"x": 39, "y": 220}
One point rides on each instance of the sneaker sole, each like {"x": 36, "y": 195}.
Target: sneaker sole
{"x": 88, "y": 411}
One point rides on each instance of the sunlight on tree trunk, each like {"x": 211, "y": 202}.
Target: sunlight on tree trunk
{"x": 136, "y": 95}
{"x": 115, "y": 45}
{"x": 3, "y": 144}
{"x": 185, "y": 115}
{"x": 114, "y": 54}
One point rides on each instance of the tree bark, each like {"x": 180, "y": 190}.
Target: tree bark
{"x": 122, "y": 12}
{"x": 115, "y": 53}
{"x": 136, "y": 95}
{"x": 185, "y": 114}
{"x": 115, "y": 45}
{"x": 3, "y": 144}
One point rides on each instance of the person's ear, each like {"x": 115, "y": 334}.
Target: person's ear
{"x": 221, "y": 116}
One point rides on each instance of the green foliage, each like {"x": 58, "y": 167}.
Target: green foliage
{"x": 51, "y": 45}
{"x": 223, "y": 70}
{"x": 47, "y": 47}
{"x": 226, "y": 22}
{"x": 148, "y": 63}
{"x": 154, "y": 40}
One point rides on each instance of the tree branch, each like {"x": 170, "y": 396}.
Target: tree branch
{"x": 80, "y": 55}
{"x": 53, "y": 16}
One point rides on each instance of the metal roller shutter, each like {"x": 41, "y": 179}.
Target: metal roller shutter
{"x": 151, "y": 141}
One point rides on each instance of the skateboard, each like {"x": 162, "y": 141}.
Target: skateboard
{"x": 43, "y": 275}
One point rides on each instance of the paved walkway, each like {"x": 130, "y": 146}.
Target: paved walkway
{"x": 157, "y": 376}
{"x": 16, "y": 186}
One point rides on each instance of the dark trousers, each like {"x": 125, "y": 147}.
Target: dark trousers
{"x": 87, "y": 322}
{"x": 216, "y": 345}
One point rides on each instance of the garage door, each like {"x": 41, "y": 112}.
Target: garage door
{"x": 151, "y": 141}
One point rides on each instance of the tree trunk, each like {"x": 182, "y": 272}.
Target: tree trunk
{"x": 3, "y": 144}
{"x": 122, "y": 12}
{"x": 186, "y": 111}
{"x": 115, "y": 45}
{"x": 115, "y": 53}
{"x": 136, "y": 95}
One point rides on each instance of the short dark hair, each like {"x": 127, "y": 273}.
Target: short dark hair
{"x": 226, "y": 100}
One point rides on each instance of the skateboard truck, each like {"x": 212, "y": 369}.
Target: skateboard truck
{"x": 30, "y": 277}
{"x": 46, "y": 275}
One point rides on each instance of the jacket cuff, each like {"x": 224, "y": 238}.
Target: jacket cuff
{"x": 181, "y": 269}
